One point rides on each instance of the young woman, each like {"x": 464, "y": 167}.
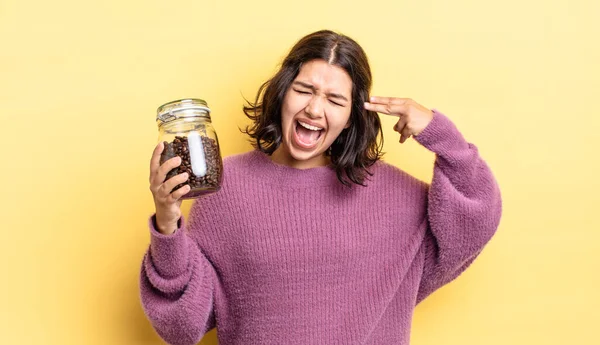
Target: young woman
{"x": 312, "y": 238}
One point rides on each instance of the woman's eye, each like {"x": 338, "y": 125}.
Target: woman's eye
{"x": 302, "y": 92}
{"x": 339, "y": 105}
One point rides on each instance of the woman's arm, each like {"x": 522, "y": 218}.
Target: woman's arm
{"x": 177, "y": 284}
{"x": 464, "y": 205}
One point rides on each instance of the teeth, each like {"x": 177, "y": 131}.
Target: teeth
{"x": 307, "y": 126}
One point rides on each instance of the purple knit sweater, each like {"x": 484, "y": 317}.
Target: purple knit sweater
{"x": 288, "y": 256}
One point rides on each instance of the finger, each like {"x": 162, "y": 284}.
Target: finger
{"x": 400, "y": 124}
{"x": 388, "y": 100}
{"x": 164, "y": 169}
{"x": 389, "y": 109}
{"x": 176, "y": 195}
{"x": 155, "y": 160}
{"x": 171, "y": 183}
{"x": 404, "y": 135}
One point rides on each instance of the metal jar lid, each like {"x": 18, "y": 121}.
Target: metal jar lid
{"x": 182, "y": 108}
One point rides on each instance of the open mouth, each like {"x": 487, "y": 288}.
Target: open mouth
{"x": 307, "y": 135}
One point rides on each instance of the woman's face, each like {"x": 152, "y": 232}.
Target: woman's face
{"x": 315, "y": 110}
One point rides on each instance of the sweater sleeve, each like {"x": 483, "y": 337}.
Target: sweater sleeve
{"x": 176, "y": 285}
{"x": 464, "y": 205}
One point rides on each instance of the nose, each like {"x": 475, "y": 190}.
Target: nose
{"x": 314, "y": 108}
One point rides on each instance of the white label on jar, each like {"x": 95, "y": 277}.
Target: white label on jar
{"x": 197, "y": 158}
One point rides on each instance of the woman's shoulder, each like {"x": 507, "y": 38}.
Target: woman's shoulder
{"x": 241, "y": 161}
{"x": 386, "y": 174}
{"x": 242, "y": 166}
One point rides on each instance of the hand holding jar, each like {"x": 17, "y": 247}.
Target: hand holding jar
{"x": 166, "y": 201}
{"x": 186, "y": 163}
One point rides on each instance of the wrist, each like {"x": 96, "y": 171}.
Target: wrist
{"x": 165, "y": 228}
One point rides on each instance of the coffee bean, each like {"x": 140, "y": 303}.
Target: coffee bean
{"x": 168, "y": 153}
{"x": 214, "y": 164}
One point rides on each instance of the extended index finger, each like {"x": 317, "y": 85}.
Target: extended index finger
{"x": 389, "y": 109}
{"x": 388, "y": 100}
{"x": 155, "y": 160}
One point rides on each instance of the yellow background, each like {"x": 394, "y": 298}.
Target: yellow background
{"x": 80, "y": 82}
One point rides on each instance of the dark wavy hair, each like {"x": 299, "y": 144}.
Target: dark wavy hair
{"x": 357, "y": 147}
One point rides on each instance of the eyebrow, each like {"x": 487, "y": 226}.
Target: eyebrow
{"x": 308, "y": 86}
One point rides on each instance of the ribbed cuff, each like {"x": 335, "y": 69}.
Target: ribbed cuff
{"x": 169, "y": 253}
{"x": 441, "y": 135}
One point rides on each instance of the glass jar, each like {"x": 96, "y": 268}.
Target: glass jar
{"x": 186, "y": 130}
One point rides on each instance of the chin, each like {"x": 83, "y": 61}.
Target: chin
{"x": 306, "y": 158}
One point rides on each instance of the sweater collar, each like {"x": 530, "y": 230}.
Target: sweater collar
{"x": 267, "y": 170}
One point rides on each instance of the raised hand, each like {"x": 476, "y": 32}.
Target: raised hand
{"x": 413, "y": 117}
